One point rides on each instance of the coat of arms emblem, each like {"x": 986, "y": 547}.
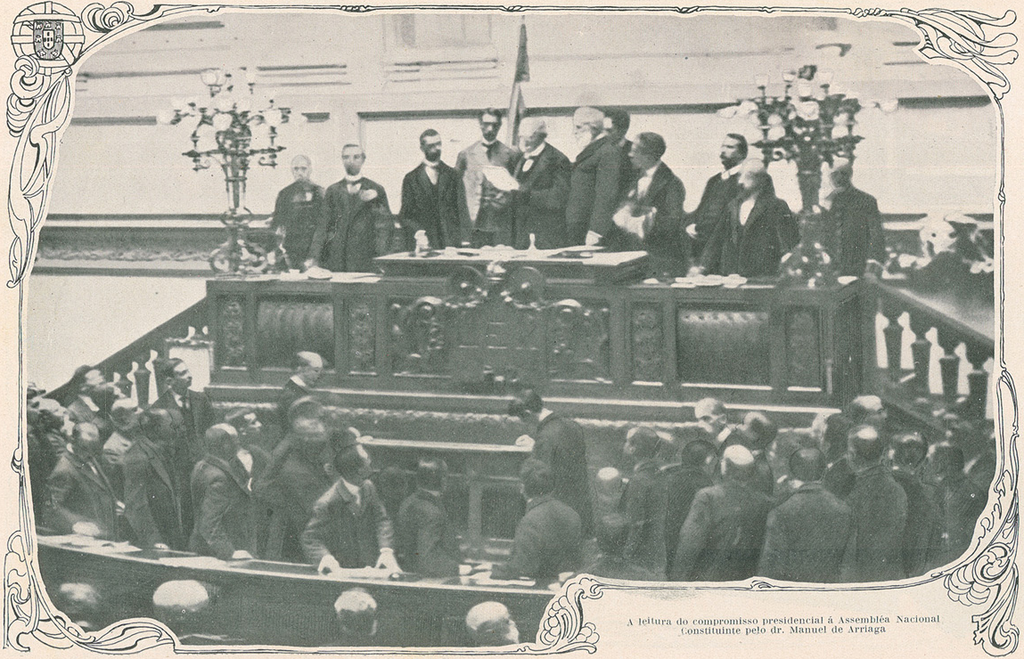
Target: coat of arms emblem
{"x": 48, "y": 39}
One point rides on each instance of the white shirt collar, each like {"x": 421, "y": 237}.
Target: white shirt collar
{"x": 432, "y": 165}
{"x": 536, "y": 152}
{"x": 487, "y": 144}
{"x": 746, "y": 206}
{"x": 352, "y": 489}
{"x": 650, "y": 171}
{"x": 177, "y": 397}
{"x": 729, "y": 173}
{"x": 299, "y": 381}
{"x": 89, "y": 403}
{"x": 356, "y": 179}
{"x": 544, "y": 413}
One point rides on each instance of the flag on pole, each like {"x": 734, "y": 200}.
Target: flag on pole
{"x": 516, "y": 105}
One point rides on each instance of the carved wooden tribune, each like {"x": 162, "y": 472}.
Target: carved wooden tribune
{"x": 485, "y": 329}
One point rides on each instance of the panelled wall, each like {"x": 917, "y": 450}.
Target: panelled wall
{"x": 381, "y": 80}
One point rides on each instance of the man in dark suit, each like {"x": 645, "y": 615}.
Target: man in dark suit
{"x": 651, "y": 217}
{"x": 854, "y": 224}
{"x": 757, "y": 231}
{"x": 543, "y": 176}
{"x": 430, "y": 198}
{"x": 879, "y": 507}
{"x": 808, "y": 534}
{"x": 309, "y": 368}
{"x": 357, "y": 224}
{"x": 924, "y": 530}
{"x": 558, "y": 442}
{"x": 222, "y": 495}
{"x": 192, "y": 413}
{"x": 595, "y": 182}
{"x": 757, "y": 433}
{"x": 293, "y": 488}
{"x": 616, "y": 124}
{"x": 960, "y": 500}
{"x": 718, "y": 192}
{"x": 643, "y": 503}
{"x": 547, "y": 541}
{"x": 682, "y": 482}
{"x": 298, "y": 211}
{"x": 349, "y": 527}
{"x": 612, "y": 534}
{"x": 82, "y": 499}
{"x": 424, "y": 536}
{"x": 487, "y": 216}
{"x": 862, "y": 410}
{"x": 83, "y": 408}
{"x": 722, "y": 536}
{"x": 152, "y": 486}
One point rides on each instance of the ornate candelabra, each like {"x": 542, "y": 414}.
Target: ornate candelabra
{"x": 808, "y": 125}
{"x": 228, "y": 132}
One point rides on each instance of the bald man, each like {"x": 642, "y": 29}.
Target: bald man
{"x": 879, "y": 507}
{"x": 722, "y": 535}
{"x": 596, "y": 179}
{"x": 756, "y": 232}
{"x": 543, "y": 176}
{"x": 357, "y": 224}
{"x": 297, "y": 212}
{"x": 490, "y": 624}
{"x": 854, "y": 224}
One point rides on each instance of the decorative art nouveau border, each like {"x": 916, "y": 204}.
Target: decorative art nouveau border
{"x": 38, "y": 109}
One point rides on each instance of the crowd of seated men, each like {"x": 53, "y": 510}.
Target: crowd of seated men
{"x": 616, "y": 193}
{"x": 848, "y": 500}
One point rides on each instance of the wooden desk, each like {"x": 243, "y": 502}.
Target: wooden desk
{"x": 266, "y": 604}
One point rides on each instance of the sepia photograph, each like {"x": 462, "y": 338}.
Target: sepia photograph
{"x": 476, "y": 329}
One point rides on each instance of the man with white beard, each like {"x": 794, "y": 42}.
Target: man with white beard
{"x": 595, "y": 182}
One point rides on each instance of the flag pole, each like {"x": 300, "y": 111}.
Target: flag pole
{"x": 516, "y": 105}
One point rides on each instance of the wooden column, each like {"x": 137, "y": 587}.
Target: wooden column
{"x": 949, "y": 366}
{"x": 921, "y": 351}
{"x": 893, "y": 340}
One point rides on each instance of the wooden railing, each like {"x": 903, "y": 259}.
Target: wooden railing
{"x": 944, "y": 329}
{"x": 129, "y": 367}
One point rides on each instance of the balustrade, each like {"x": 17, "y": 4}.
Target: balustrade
{"x": 939, "y": 323}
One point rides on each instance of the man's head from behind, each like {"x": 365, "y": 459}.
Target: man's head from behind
{"x": 430, "y": 145}
{"x": 356, "y": 613}
{"x": 221, "y": 441}
{"x": 431, "y": 474}
{"x": 309, "y": 366}
{"x": 353, "y": 464}
{"x": 527, "y": 406}
{"x": 699, "y": 454}
{"x": 867, "y": 410}
{"x": 489, "y": 624}
{"x": 181, "y": 605}
{"x": 310, "y": 437}
{"x": 642, "y": 443}
{"x": 158, "y": 426}
{"x": 302, "y": 168}
{"x": 124, "y": 414}
{"x": 909, "y": 451}
{"x": 82, "y": 603}
{"x": 536, "y": 479}
{"x": 758, "y": 431}
{"x": 841, "y": 173}
{"x": 737, "y": 463}
{"x": 617, "y": 124}
{"x": 945, "y": 460}
{"x": 753, "y": 175}
{"x": 245, "y": 421}
{"x": 865, "y": 446}
{"x": 490, "y": 124}
{"x": 807, "y": 465}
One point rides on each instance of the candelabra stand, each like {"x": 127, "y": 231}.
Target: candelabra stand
{"x": 232, "y": 135}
